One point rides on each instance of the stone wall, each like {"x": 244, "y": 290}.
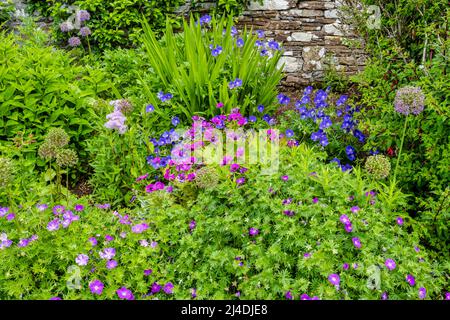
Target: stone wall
{"x": 312, "y": 35}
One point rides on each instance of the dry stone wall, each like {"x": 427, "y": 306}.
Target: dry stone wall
{"x": 312, "y": 35}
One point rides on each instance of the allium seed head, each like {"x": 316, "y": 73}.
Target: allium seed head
{"x": 66, "y": 158}
{"x": 409, "y": 100}
{"x": 6, "y": 172}
{"x": 378, "y": 166}
{"x": 207, "y": 177}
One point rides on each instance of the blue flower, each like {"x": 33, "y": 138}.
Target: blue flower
{"x": 235, "y": 84}
{"x": 252, "y": 119}
{"x": 261, "y": 108}
{"x": 283, "y": 99}
{"x": 359, "y": 135}
{"x": 326, "y": 122}
{"x": 150, "y": 108}
{"x": 264, "y": 52}
{"x": 308, "y": 90}
{"x": 336, "y": 160}
{"x": 374, "y": 151}
{"x": 351, "y": 153}
{"x": 289, "y": 133}
{"x": 175, "y": 121}
{"x": 346, "y": 167}
{"x": 215, "y": 51}
{"x": 342, "y": 99}
{"x": 164, "y": 97}
{"x": 233, "y": 31}
{"x": 240, "y": 42}
{"x": 273, "y": 45}
{"x": 206, "y": 19}
{"x": 259, "y": 43}
{"x": 260, "y": 33}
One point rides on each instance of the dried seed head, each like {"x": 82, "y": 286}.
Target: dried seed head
{"x": 57, "y": 137}
{"x": 207, "y": 177}
{"x": 47, "y": 151}
{"x": 66, "y": 158}
{"x": 6, "y": 172}
{"x": 378, "y": 166}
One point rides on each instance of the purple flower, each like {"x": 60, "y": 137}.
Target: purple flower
{"x": 307, "y": 255}
{"x": 139, "y": 228}
{"x": 285, "y": 178}
{"x": 235, "y": 83}
{"x": 194, "y": 293}
{"x": 192, "y": 225}
{"x": 149, "y": 108}
{"x": 96, "y": 287}
{"x": 82, "y": 260}
{"x": 111, "y": 264}
{"x": 148, "y": 272}
{"x": 253, "y": 232}
{"x": 400, "y": 221}
{"x": 411, "y": 280}
{"x": 240, "y": 181}
{"x": 215, "y": 51}
{"x": 53, "y": 225}
{"x": 85, "y": 31}
{"x": 355, "y": 266}
{"x": 55, "y": 298}
{"x": 65, "y": 27}
{"x": 447, "y": 296}
{"x": 125, "y": 294}
{"x": 348, "y": 227}
{"x": 83, "y": 15}
{"x": 168, "y": 288}
{"x": 108, "y": 253}
{"x": 356, "y": 242}
{"x": 23, "y": 243}
{"x": 334, "y": 279}
{"x": 74, "y": 41}
{"x": 93, "y": 241}
{"x": 260, "y": 33}
{"x": 355, "y": 209}
{"x": 384, "y": 296}
{"x": 109, "y": 238}
{"x": 416, "y": 249}
{"x": 288, "y": 295}
{"x": 153, "y": 244}
{"x": 57, "y": 210}
{"x": 344, "y": 219}
{"x": 289, "y": 213}
{"x": 422, "y": 293}
{"x": 305, "y": 297}
{"x": 239, "y": 43}
{"x": 11, "y": 216}
{"x": 79, "y": 207}
{"x": 345, "y": 266}
{"x": 390, "y": 264}
{"x": 155, "y": 288}
{"x": 40, "y": 207}
{"x": 143, "y": 243}
{"x": 315, "y": 200}
{"x": 205, "y": 19}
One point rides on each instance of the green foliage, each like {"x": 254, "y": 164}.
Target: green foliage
{"x": 113, "y": 23}
{"x": 187, "y": 68}
{"x": 226, "y": 7}
{"x": 206, "y": 258}
{"x": 41, "y": 87}
{"x": 6, "y": 11}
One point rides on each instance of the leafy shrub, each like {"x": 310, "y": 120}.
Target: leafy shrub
{"x": 6, "y": 11}
{"x": 40, "y": 88}
{"x": 113, "y": 23}
{"x": 211, "y": 63}
{"x": 258, "y": 240}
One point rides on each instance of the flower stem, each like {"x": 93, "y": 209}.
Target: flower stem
{"x": 401, "y": 147}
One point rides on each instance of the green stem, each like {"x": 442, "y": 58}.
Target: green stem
{"x": 401, "y": 148}
{"x": 67, "y": 186}
{"x": 58, "y": 181}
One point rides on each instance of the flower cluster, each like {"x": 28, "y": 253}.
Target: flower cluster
{"x": 54, "y": 147}
{"x": 65, "y": 218}
{"x": 116, "y": 119}
{"x": 67, "y": 27}
{"x": 409, "y": 100}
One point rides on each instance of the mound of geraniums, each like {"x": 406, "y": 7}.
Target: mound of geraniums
{"x": 309, "y": 231}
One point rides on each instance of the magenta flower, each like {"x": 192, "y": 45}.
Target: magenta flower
{"x": 289, "y": 213}
{"x": 390, "y": 264}
{"x": 10, "y": 216}
{"x": 219, "y": 105}
{"x": 125, "y": 294}
{"x": 356, "y": 242}
{"x": 234, "y": 167}
{"x": 240, "y": 181}
{"x": 384, "y": 296}
{"x": 111, "y": 264}
{"x": 345, "y": 266}
{"x": 96, "y": 287}
{"x": 422, "y": 293}
{"x": 307, "y": 255}
{"x": 400, "y": 221}
{"x": 315, "y": 200}
{"x": 288, "y": 295}
{"x": 82, "y": 260}
{"x": 55, "y": 298}
{"x": 285, "y": 178}
{"x": 334, "y": 279}
{"x": 139, "y": 228}
{"x": 168, "y": 288}
{"x": 57, "y": 210}
{"x": 447, "y": 296}
{"x": 253, "y": 232}
{"x": 79, "y": 207}
{"x": 411, "y": 280}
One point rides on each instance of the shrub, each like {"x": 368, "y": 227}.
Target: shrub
{"x": 41, "y": 87}
{"x": 113, "y": 23}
